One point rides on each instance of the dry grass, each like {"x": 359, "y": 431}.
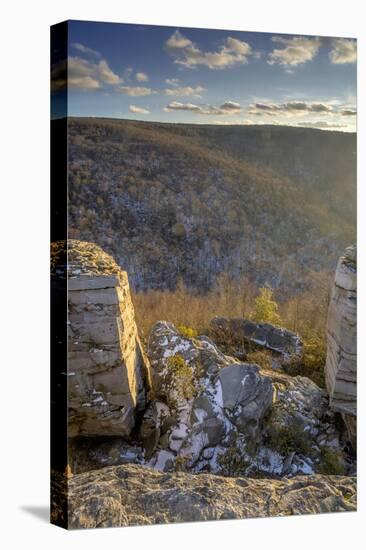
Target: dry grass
{"x": 305, "y": 313}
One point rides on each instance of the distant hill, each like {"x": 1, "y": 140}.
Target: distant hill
{"x": 176, "y": 201}
{"x": 319, "y": 161}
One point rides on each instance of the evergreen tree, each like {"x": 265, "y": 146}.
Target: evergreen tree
{"x": 265, "y": 308}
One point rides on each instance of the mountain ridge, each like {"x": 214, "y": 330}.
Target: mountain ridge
{"x": 193, "y": 202}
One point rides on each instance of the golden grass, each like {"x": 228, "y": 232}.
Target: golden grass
{"x": 305, "y": 313}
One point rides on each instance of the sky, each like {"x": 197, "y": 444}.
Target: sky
{"x": 209, "y": 76}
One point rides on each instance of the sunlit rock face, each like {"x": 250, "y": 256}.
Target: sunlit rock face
{"x": 341, "y": 365}
{"x": 107, "y": 370}
{"x": 133, "y": 495}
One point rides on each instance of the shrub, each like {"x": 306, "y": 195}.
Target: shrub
{"x": 180, "y": 377}
{"x": 313, "y": 360}
{"x": 187, "y": 332}
{"x": 265, "y": 308}
{"x": 232, "y": 463}
{"x": 181, "y": 463}
{"x": 331, "y": 462}
{"x": 287, "y": 439}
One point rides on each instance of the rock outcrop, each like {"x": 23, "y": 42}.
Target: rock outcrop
{"x": 211, "y": 413}
{"x": 107, "y": 371}
{"x": 301, "y": 434}
{"x": 341, "y": 365}
{"x": 244, "y": 334}
{"x": 208, "y": 412}
{"x": 204, "y": 401}
{"x": 132, "y": 495}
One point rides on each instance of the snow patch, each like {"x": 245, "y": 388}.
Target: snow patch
{"x": 201, "y": 415}
{"x": 305, "y": 468}
{"x": 160, "y": 460}
{"x": 244, "y": 379}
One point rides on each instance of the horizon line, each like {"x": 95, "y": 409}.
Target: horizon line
{"x": 220, "y": 125}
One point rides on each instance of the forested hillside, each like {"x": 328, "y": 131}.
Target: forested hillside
{"x": 187, "y": 202}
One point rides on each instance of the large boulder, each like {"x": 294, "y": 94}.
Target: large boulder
{"x": 133, "y": 495}
{"x": 211, "y": 399}
{"x": 341, "y": 365}
{"x": 245, "y": 395}
{"x": 214, "y": 413}
{"x": 108, "y": 372}
{"x": 242, "y": 335}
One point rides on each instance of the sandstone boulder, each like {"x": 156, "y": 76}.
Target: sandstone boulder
{"x": 341, "y": 365}
{"x": 108, "y": 372}
{"x": 243, "y": 334}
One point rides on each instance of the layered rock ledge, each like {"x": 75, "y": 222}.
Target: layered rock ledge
{"x": 108, "y": 372}
{"x": 133, "y": 495}
{"x": 341, "y": 364}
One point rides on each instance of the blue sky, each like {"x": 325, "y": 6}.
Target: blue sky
{"x": 205, "y": 76}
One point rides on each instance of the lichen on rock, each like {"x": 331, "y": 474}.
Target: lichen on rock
{"x": 134, "y": 495}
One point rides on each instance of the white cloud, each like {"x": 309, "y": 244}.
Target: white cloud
{"x": 172, "y": 81}
{"x": 295, "y": 51}
{"x": 177, "y": 106}
{"x": 142, "y": 77}
{"x": 343, "y": 51}
{"x": 238, "y": 47}
{"x": 185, "y": 91}
{"x": 82, "y": 74}
{"x": 227, "y": 108}
{"x": 320, "y": 108}
{"x": 178, "y": 41}
{"x": 84, "y": 49}
{"x": 348, "y": 112}
{"x": 186, "y": 53}
{"x": 325, "y": 115}
{"x": 289, "y": 109}
{"x": 106, "y": 73}
{"x": 138, "y": 110}
{"x": 83, "y": 83}
{"x": 231, "y": 106}
{"x": 135, "y": 91}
